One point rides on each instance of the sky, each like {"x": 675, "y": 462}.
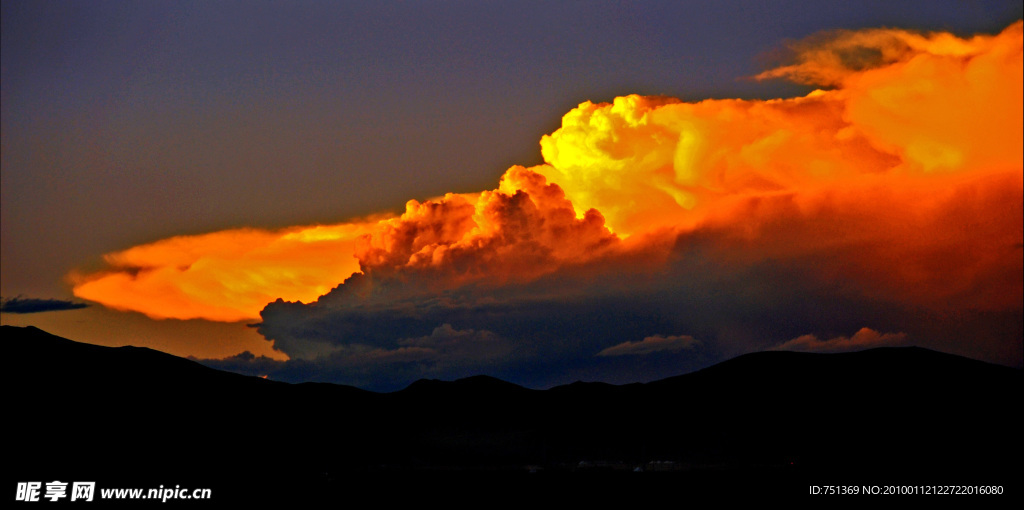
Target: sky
{"x": 373, "y": 193}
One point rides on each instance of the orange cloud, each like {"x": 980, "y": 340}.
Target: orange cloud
{"x": 905, "y": 177}
{"x": 865, "y": 338}
{"x": 830, "y": 58}
{"x": 909, "y": 173}
{"x": 940, "y": 105}
{"x": 225, "y": 276}
{"x": 521, "y": 230}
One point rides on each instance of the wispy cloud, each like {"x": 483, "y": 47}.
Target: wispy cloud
{"x": 32, "y": 305}
{"x": 865, "y": 338}
{"x": 651, "y": 344}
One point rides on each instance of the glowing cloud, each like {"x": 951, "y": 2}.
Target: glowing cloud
{"x": 896, "y": 194}
{"x": 939, "y": 104}
{"x": 225, "y": 276}
{"x": 521, "y": 230}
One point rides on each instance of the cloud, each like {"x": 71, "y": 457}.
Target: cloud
{"x": 865, "y": 338}
{"x": 32, "y": 305}
{"x": 648, "y": 163}
{"x": 224, "y": 276}
{"x": 830, "y": 58}
{"x": 445, "y": 353}
{"x": 742, "y": 221}
{"x": 465, "y": 345}
{"x": 651, "y": 344}
{"x": 896, "y": 199}
{"x": 245, "y": 363}
{"x": 523, "y": 229}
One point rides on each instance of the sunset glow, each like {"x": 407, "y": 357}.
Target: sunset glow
{"x": 225, "y": 276}
{"x": 908, "y": 167}
{"x": 313, "y": 251}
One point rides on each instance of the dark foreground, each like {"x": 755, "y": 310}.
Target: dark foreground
{"x": 765, "y": 425}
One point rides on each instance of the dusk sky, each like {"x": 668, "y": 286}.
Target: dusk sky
{"x": 370, "y": 193}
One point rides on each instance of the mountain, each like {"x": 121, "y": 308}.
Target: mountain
{"x": 775, "y": 420}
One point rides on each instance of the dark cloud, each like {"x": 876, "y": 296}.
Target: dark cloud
{"x": 650, "y": 345}
{"x": 31, "y": 305}
{"x": 777, "y": 278}
{"x": 245, "y": 363}
{"x": 748, "y": 225}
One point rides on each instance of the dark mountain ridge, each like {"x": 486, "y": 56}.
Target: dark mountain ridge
{"x": 906, "y": 415}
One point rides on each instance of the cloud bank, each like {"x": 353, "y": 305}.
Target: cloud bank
{"x": 893, "y": 198}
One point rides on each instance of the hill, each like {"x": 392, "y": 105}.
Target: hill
{"x": 132, "y": 416}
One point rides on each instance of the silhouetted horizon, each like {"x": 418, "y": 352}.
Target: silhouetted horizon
{"x": 782, "y": 419}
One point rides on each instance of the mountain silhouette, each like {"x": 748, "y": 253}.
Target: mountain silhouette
{"x": 774, "y": 420}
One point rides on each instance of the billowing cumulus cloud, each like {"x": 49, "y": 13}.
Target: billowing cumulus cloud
{"x": 865, "y": 338}
{"x": 523, "y": 229}
{"x": 894, "y": 198}
{"x": 651, "y": 344}
{"x": 649, "y": 162}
